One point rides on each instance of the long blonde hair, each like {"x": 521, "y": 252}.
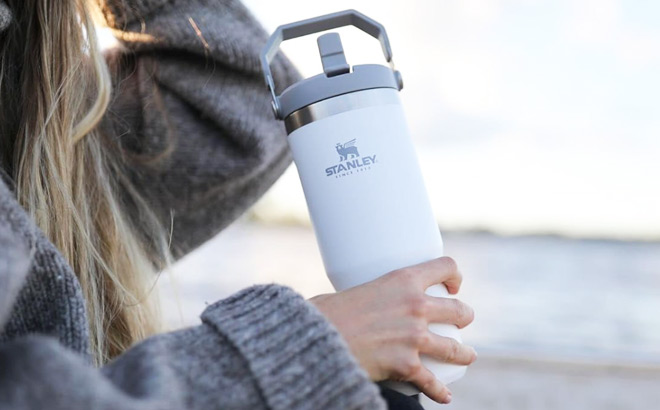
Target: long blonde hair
{"x": 55, "y": 88}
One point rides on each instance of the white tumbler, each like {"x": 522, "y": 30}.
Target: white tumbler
{"x": 358, "y": 167}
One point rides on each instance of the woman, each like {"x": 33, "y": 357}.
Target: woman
{"x": 102, "y": 183}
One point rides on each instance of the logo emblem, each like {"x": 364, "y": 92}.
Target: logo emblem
{"x": 348, "y": 148}
{"x": 350, "y": 161}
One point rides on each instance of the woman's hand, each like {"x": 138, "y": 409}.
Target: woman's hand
{"x": 385, "y": 323}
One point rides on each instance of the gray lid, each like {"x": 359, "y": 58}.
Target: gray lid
{"x": 337, "y": 78}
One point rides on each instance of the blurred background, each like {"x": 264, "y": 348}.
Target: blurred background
{"x": 537, "y": 125}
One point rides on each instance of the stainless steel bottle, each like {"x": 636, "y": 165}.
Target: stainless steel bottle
{"x": 358, "y": 167}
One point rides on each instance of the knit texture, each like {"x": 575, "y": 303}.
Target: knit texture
{"x": 272, "y": 339}
{"x": 192, "y": 81}
{"x": 50, "y": 300}
{"x": 192, "y": 116}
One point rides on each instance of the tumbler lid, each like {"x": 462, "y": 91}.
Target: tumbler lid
{"x": 337, "y": 78}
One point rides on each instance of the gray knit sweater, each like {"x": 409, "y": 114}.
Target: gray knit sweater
{"x": 263, "y": 348}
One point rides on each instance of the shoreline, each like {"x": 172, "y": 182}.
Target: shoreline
{"x": 561, "y": 363}
{"x": 505, "y": 382}
{"x": 257, "y": 217}
{"x": 649, "y": 363}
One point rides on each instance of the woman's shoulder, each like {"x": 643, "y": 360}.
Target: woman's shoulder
{"x": 39, "y": 292}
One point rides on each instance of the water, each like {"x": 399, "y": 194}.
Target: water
{"x": 533, "y": 295}
{"x": 552, "y": 295}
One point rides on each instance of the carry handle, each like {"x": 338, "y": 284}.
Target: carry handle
{"x": 315, "y": 25}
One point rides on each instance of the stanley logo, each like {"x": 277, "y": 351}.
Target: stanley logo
{"x": 350, "y": 161}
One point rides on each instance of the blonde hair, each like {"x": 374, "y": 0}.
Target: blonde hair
{"x": 55, "y": 88}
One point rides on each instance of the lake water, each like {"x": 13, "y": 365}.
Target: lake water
{"x": 533, "y": 295}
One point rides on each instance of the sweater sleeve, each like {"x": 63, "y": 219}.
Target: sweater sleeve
{"x": 191, "y": 111}
{"x": 265, "y": 348}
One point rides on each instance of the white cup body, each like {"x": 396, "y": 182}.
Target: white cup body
{"x": 367, "y": 201}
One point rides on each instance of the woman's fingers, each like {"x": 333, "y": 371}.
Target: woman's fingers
{"x": 442, "y": 270}
{"x": 430, "y": 386}
{"x": 449, "y": 311}
{"x": 386, "y": 323}
{"x": 448, "y": 350}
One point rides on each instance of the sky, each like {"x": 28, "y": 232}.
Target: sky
{"x": 529, "y": 116}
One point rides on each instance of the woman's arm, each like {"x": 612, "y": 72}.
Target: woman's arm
{"x": 290, "y": 359}
{"x": 192, "y": 112}
{"x": 264, "y": 348}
